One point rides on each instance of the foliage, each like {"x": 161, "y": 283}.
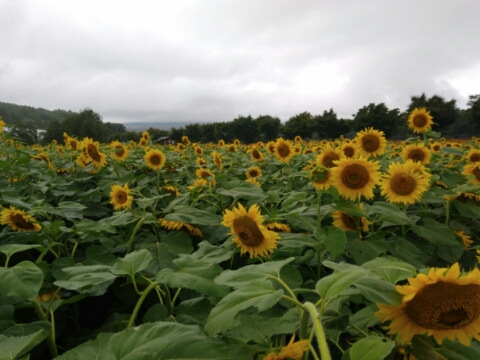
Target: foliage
{"x": 379, "y": 117}
{"x": 444, "y": 113}
{"x": 39, "y": 118}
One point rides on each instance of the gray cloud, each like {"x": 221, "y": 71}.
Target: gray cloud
{"x": 215, "y": 60}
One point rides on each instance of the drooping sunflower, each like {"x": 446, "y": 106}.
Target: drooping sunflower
{"x": 155, "y": 159}
{"x": 283, "y": 150}
{"x": 185, "y": 140}
{"x": 355, "y": 177}
{"x": 321, "y": 177}
{"x": 256, "y": 155}
{"x": 270, "y": 147}
{"x": 172, "y": 190}
{"x": 371, "y": 142}
{"x": 402, "y": 185}
{"x": 253, "y": 172}
{"x": 347, "y": 222}
{"x": 232, "y": 148}
{"x": 201, "y": 161}
{"x": 276, "y": 226}
{"x": 420, "y": 120}
{"x": 473, "y": 155}
{"x": 328, "y": 156}
{"x": 177, "y": 225}
{"x": 120, "y": 152}
{"x": 472, "y": 169}
{"x": 294, "y": 350}
{"x": 120, "y": 197}
{"x": 442, "y": 303}
{"x": 417, "y": 153}
{"x": 217, "y": 160}
{"x": 18, "y": 220}
{"x": 197, "y": 183}
{"x": 91, "y": 148}
{"x": 250, "y": 235}
{"x": 465, "y": 239}
{"x": 146, "y": 135}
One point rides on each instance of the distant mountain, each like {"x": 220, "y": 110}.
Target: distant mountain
{"x": 162, "y": 125}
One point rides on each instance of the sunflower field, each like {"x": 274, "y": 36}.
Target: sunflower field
{"x": 348, "y": 249}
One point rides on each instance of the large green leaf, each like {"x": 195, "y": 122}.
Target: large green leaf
{"x": 243, "y": 190}
{"x": 9, "y": 328}
{"x": 371, "y": 348}
{"x": 212, "y": 253}
{"x": 260, "y": 294}
{"x": 93, "y": 279}
{"x": 391, "y": 270}
{"x": 334, "y": 240}
{"x": 163, "y": 340}
{"x": 367, "y": 249}
{"x": 22, "y": 281}
{"x": 388, "y": 212}
{"x": 10, "y": 249}
{"x": 334, "y": 284}
{"x": 132, "y": 263}
{"x": 194, "y": 274}
{"x": 98, "y": 349}
{"x": 250, "y": 273}
{"x": 190, "y": 215}
{"x": 378, "y": 291}
{"x": 13, "y": 347}
{"x": 453, "y": 350}
{"x": 435, "y": 232}
{"x": 406, "y": 251}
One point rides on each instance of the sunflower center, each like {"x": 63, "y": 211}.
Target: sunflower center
{"x": 256, "y": 154}
{"x": 93, "y": 152}
{"x": 420, "y": 120}
{"x": 119, "y": 150}
{"x": 402, "y": 184}
{"x": 283, "y": 150}
{"x": 155, "y": 159}
{"x": 349, "y": 151}
{"x": 253, "y": 173}
{"x": 21, "y": 223}
{"x": 416, "y": 155}
{"x": 248, "y": 232}
{"x": 370, "y": 143}
{"x": 320, "y": 177}
{"x": 121, "y": 197}
{"x": 476, "y": 172}
{"x": 73, "y": 145}
{"x": 475, "y": 157}
{"x": 329, "y": 158}
{"x": 349, "y": 221}
{"x": 445, "y": 306}
{"x": 355, "y": 176}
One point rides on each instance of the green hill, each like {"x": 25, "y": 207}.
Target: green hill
{"x": 38, "y": 117}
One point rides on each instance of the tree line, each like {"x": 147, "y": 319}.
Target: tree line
{"x": 448, "y": 118}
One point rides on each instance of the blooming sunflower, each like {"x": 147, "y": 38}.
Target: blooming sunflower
{"x": 298, "y": 139}
{"x": 198, "y": 151}
{"x": 328, "y": 156}
{"x": 321, "y": 177}
{"x": 349, "y": 150}
{"x": 253, "y": 181}
{"x": 217, "y": 160}
{"x": 91, "y": 149}
{"x": 253, "y": 172}
{"x": 236, "y": 142}
{"x": 420, "y": 120}
{"x": 435, "y": 146}
{"x": 401, "y": 184}
{"x": 276, "y": 226}
{"x": 283, "y": 150}
{"x": 201, "y": 161}
{"x": 256, "y": 155}
{"x": 417, "y": 153}
{"x": 204, "y": 173}
{"x": 473, "y": 155}
{"x": 355, "y": 177}
{"x": 155, "y": 159}
{"x": 250, "y": 235}
{"x": 18, "y": 220}
{"x": 347, "y": 222}
{"x": 180, "y": 146}
{"x": 443, "y": 304}
{"x": 472, "y": 169}
{"x": 371, "y": 142}
{"x": 120, "y": 153}
{"x": 185, "y": 140}
{"x": 146, "y": 135}
{"x": 178, "y": 225}
{"x": 221, "y": 142}
{"x": 270, "y": 147}
{"x": 120, "y": 197}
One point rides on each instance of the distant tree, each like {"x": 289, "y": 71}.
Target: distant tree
{"x": 301, "y": 124}
{"x": 157, "y": 133}
{"x": 176, "y": 134}
{"x": 24, "y": 132}
{"x": 444, "y": 112}
{"x": 328, "y": 126}
{"x": 54, "y": 132}
{"x": 245, "y": 129}
{"x": 115, "y": 128}
{"x": 126, "y": 136}
{"x": 269, "y": 127}
{"x": 377, "y": 116}
{"x": 208, "y": 133}
{"x": 473, "y": 111}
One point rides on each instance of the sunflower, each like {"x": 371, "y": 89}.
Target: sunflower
{"x": 120, "y": 153}
{"x": 120, "y": 197}
{"x": 270, "y": 147}
{"x": 217, "y": 160}
{"x": 91, "y": 149}
{"x": 355, "y": 177}
{"x": 349, "y": 150}
{"x": 473, "y": 155}
{"x": 155, "y": 159}
{"x": 253, "y": 172}
{"x": 253, "y": 181}
{"x": 402, "y": 184}
{"x": 256, "y": 155}
{"x": 201, "y": 182}
{"x": 348, "y": 222}
{"x": 198, "y": 151}
{"x": 443, "y": 304}
{"x": 172, "y": 190}
{"x": 321, "y": 177}
{"x": 221, "y": 142}
{"x": 236, "y": 142}
{"x": 185, "y": 140}
{"x": 232, "y": 148}
{"x": 72, "y": 143}
{"x": 177, "y": 225}
{"x": 2, "y": 125}
{"x": 328, "y": 156}
{"x": 276, "y": 226}
{"x": 18, "y": 220}
{"x": 472, "y": 169}
{"x": 420, "y": 120}
{"x": 371, "y": 142}
{"x": 417, "y": 153}
{"x": 201, "y": 161}
{"x": 466, "y": 240}
{"x": 204, "y": 173}
{"x": 250, "y": 235}
{"x": 298, "y": 139}
{"x": 283, "y": 150}
{"x": 294, "y": 350}
{"x": 180, "y": 146}
{"x": 146, "y": 135}
{"x": 435, "y": 146}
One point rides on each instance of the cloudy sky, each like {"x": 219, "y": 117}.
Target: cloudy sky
{"x": 214, "y": 60}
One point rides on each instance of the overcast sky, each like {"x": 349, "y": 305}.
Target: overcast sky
{"x": 214, "y": 60}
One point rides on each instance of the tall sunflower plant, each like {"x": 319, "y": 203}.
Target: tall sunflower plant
{"x": 344, "y": 249}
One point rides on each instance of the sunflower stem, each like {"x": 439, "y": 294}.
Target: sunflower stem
{"x": 50, "y": 338}
{"x": 317, "y": 325}
{"x": 139, "y": 303}
{"x": 447, "y": 215}
{"x": 319, "y": 203}
{"x": 130, "y": 241}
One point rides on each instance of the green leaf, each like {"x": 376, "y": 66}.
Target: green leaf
{"x": 15, "y": 201}
{"x": 97, "y": 349}
{"x": 250, "y": 273}
{"x": 388, "y": 212}
{"x": 367, "y": 249}
{"x": 406, "y": 251}
{"x": 13, "y": 347}
{"x": 365, "y": 318}
{"x": 243, "y": 190}
{"x": 132, "y": 263}
{"x": 69, "y": 210}
{"x": 348, "y": 207}
{"x": 391, "y": 270}
{"x": 10, "y": 249}
{"x": 423, "y": 349}
{"x": 470, "y": 209}
{"x": 164, "y": 340}
{"x": 378, "y": 291}
{"x": 9, "y": 329}
{"x": 435, "y": 232}
{"x": 93, "y": 280}
{"x": 209, "y": 252}
{"x": 194, "y": 274}
{"x": 453, "y": 350}
{"x": 260, "y": 294}
{"x": 371, "y": 348}
{"x": 190, "y": 215}
{"x": 334, "y": 284}
{"x": 334, "y": 240}
{"x": 22, "y": 281}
